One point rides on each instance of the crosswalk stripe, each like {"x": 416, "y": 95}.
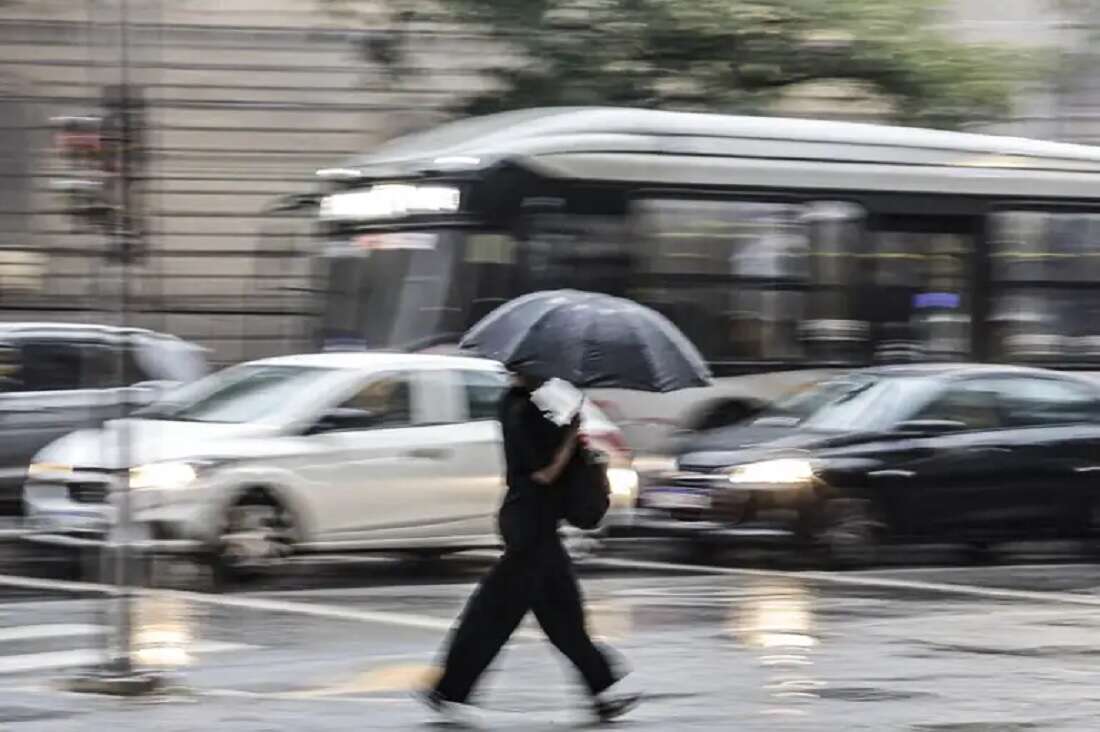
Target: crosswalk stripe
{"x": 60, "y": 630}
{"x": 50, "y": 661}
{"x": 57, "y": 660}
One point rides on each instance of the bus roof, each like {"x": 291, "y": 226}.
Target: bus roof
{"x": 640, "y": 145}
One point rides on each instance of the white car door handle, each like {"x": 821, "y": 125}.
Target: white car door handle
{"x": 429, "y": 453}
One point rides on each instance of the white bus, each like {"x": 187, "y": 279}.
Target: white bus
{"x": 781, "y": 247}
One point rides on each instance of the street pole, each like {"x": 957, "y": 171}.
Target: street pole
{"x": 120, "y": 676}
{"x": 124, "y": 521}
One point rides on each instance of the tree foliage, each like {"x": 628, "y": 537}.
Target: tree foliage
{"x": 738, "y": 55}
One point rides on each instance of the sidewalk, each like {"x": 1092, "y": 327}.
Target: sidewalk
{"x": 740, "y": 653}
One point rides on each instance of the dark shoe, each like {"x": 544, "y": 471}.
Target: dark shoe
{"x": 452, "y": 713}
{"x": 430, "y": 698}
{"x": 612, "y": 707}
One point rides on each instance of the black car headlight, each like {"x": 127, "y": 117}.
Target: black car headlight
{"x": 778, "y": 472}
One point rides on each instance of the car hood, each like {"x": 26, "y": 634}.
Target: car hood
{"x": 149, "y": 440}
{"x": 747, "y": 443}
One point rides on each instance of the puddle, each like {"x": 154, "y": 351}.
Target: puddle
{"x": 1037, "y": 652}
{"x": 13, "y": 715}
{"x": 868, "y": 694}
{"x": 978, "y": 727}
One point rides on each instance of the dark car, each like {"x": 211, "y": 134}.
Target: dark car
{"x": 58, "y": 377}
{"x": 968, "y": 453}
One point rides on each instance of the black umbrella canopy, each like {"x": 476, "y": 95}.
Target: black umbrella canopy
{"x": 590, "y": 340}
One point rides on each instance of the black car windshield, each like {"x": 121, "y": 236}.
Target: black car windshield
{"x": 859, "y": 402}
{"x": 240, "y": 394}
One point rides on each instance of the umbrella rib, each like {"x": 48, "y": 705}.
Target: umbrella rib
{"x": 496, "y": 317}
{"x": 648, "y": 350}
{"x": 515, "y": 343}
{"x": 507, "y": 351}
{"x": 586, "y": 343}
{"x": 681, "y": 344}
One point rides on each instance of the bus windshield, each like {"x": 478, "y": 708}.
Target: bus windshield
{"x": 413, "y": 290}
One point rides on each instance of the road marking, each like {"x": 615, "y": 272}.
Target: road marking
{"x": 446, "y": 590}
{"x": 856, "y": 580}
{"x": 1030, "y": 566}
{"x": 434, "y": 623}
{"x": 390, "y": 677}
{"x": 55, "y": 660}
{"x": 406, "y": 620}
{"x": 289, "y": 695}
{"x": 14, "y": 608}
{"x": 35, "y": 583}
{"x": 60, "y": 630}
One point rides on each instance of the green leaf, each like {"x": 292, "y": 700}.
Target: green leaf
{"x": 740, "y": 55}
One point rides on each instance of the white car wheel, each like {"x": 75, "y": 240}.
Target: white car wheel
{"x": 258, "y": 534}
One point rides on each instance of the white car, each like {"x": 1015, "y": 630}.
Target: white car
{"x": 323, "y": 452}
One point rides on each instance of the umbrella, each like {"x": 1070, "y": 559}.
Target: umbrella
{"x": 590, "y": 340}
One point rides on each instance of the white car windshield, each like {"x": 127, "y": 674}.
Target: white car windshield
{"x": 240, "y": 394}
{"x": 859, "y": 402}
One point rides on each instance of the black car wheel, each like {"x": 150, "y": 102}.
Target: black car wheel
{"x": 851, "y": 532}
{"x": 1091, "y": 529}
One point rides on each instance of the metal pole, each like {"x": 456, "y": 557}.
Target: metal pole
{"x": 123, "y": 545}
{"x": 120, "y": 677}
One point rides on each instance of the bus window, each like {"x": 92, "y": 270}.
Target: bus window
{"x": 915, "y": 286}
{"x": 1045, "y": 307}
{"x": 581, "y": 251}
{"x": 833, "y": 329}
{"x": 752, "y": 280}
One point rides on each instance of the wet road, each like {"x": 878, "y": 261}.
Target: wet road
{"x": 1009, "y": 645}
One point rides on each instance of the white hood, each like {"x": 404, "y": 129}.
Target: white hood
{"x": 153, "y": 441}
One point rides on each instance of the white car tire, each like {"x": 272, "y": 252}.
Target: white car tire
{"x": 257, "y": 535}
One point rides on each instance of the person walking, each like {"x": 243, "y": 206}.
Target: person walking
{"x": 534, "y": 573}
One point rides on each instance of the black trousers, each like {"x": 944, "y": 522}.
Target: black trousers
{"x": 540, "y": 579}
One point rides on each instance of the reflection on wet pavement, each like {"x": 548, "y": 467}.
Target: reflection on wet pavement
{"x": 164, "y": 631}
{"x": 611, "y": 619}
{"x": 769, "y": 651}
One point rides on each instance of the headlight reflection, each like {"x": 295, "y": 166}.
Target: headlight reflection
{"x": 778, "y": 621}
{"x": 162, "y": 634}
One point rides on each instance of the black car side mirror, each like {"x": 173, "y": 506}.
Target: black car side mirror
{"x": 930, "y": 427}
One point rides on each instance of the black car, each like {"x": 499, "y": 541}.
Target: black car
{"x": 58, "y": 377}
{"x": 968, "y": 453}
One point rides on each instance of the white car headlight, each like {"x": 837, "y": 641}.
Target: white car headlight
{"x": 783, "y": 471}
{"x": 47, "y": 471}
{"x": 163, "y": 476}
{"x": 623, "y": 482}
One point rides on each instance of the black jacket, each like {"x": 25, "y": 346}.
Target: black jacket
{"x": 530, "y": 511}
